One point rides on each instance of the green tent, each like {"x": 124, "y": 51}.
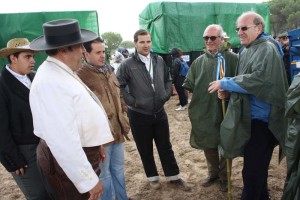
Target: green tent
{"x": 29, "y": 25}
{"x": 180, "y": 24}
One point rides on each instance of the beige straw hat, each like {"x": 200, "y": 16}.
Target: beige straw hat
{"x": 14, "y": 46}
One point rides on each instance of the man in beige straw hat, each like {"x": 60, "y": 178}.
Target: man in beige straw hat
{"x": 17, "y": 142}
{"x": 67, "y": 116}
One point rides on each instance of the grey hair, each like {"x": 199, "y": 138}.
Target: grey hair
{"x": 216, "y": 26}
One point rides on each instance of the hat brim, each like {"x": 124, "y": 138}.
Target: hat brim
{"x": 8, "y": 51}
{"x": 40, "y": 44}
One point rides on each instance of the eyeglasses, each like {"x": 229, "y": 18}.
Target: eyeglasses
{"x": 244, "y": 28}
{"x": 284, "y": 38}
{"x": 212, "y": 38}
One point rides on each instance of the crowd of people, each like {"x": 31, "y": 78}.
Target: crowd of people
{"x": 63, "y": 127}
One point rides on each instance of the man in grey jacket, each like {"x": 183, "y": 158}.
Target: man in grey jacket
{"x": 149, "y": 86}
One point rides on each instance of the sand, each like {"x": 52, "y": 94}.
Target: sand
{"x": 192, "y": 166}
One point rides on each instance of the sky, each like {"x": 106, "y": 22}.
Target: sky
{"x": 120, "y": 16}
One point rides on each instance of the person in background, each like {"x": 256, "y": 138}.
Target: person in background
{"x": 117, "y": 61}
{"x": 101, "y": 79}
{"x": 284, "y": 41}
{"x": 292, "y": 142}
{"x": 178, "y": 78}
{"x": 124, "y": 52}
{"x": 149, "y": 87}
{"x": 226, "y": 43}
{"x": 18, "y": 143}
{"x": 254, "y": 123}
{"x": 205, "y": 109}
{"x": 67, "y": 115}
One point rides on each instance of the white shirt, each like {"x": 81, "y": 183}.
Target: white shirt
{"x": 22, "y": 78}
{"x": 148, "y": 62}
{"x": 68, "y": 118}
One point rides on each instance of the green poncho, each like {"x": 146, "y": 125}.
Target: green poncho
{"x": 261, "y": 72}
{"x": 292, "y": 142}
{"x": 205, "y": 109}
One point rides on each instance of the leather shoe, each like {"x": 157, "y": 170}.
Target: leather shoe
{"x": 209, "y": 181}
{"x": 224, "y": 185}
{"x": 180, "y": 184}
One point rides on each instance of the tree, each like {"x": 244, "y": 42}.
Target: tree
{"x": 127, "y": 44}
{"x": 112, "y": 40}
{"x": 285, "y": 15}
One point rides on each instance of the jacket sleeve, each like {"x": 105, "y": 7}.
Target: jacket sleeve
{"x": 189, "y": 82}
{"x": 10, "y": 156}
{"x": 123, "y": 78}
{"x": 168, "y": 81}
{"x": 176, "y": 67}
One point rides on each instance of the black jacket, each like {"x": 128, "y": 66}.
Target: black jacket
{"x": 16, "y": 126}
{"x": 140, "y": 95}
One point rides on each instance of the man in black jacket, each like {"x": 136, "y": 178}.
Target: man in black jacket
{"x": 17, "y": 142}
{"x": 149, "y": 87}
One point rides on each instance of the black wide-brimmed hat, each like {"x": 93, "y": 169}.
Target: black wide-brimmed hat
{"x": 61, "y": 33}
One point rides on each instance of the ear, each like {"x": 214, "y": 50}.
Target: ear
{"x": 12, "y": 58}
{"x": 260, "y": 28}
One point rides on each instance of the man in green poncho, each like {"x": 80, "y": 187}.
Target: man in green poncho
{"x": 254, "y": 123}
{"x": 292, "y": 142}
{"x": 205, "y": 110}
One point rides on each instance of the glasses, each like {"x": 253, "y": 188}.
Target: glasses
{"x": 284, "y": 38}
{"x": 212, "y": 38}
{"x": 244, "y": 28}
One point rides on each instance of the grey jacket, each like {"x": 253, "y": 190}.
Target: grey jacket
{"x": 136, "y": 84}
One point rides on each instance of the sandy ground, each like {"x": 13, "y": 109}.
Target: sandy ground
{"x": 191, "y": 162}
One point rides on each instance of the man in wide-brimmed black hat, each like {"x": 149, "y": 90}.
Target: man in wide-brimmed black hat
{"x": 67, "y": 116}
{"x": 17, "y": 142}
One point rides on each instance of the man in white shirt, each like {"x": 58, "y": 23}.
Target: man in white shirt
{"x": 17, "y": 141}
{"x": 149, "y": 86}
{"x": 67, "y": 116}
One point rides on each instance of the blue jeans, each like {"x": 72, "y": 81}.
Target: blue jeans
{"x": 112, "y": 173}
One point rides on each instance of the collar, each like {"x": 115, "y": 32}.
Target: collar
{"x": 60, "y": 64}
{"x": 102, "y": 69}
{"x": 145, "y": 58}
{"x": 20, "y": 76}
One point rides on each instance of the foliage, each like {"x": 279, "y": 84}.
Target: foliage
{"x": 285, "y": 15}
{"x": 112, "y": 40}
{"x": 127, "y": 44}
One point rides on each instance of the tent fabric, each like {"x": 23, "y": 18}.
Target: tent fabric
{"x": 29, "y": 25}
{"x": 181, "y": 24}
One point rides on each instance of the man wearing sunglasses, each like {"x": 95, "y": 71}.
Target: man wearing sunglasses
{"x": 254, "y": 123}
{"x": 205, "y": 110}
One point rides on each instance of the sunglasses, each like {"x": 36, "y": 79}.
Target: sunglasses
{"x": 284, "y": 38}
{"x": 212, "y": 38}
{"x": 244, "y": 28}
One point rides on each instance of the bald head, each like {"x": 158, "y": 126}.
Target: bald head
{"x": 249, "y": 25}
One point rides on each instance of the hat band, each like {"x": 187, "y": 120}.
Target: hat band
{"x": 63, "y": 39}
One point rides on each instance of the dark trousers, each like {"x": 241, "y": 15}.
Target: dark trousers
{"x": 257, "y": 157}
{"x": 145, "y": 129}
{"x": 183, "y": 98}
{"x": 58, "y": 184}
{"x": 31, "y": 183}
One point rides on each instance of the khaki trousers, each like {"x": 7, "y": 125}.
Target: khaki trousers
{"x": 216, "y": 164}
